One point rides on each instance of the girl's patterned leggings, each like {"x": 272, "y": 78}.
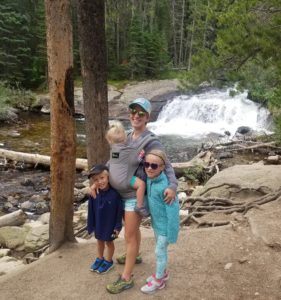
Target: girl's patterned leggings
{"x": 161, "y": 255}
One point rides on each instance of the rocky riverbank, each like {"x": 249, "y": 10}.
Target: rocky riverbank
{"x": 158, "y": 91}
{"x": 28, "y": 191}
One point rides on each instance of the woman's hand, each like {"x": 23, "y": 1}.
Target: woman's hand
{"x": 169, "y": 195}
{"x": 93, "y": 190}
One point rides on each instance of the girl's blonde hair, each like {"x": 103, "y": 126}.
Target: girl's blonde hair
{"x": 159, "y": 153}
{"x": 116, "y": 133}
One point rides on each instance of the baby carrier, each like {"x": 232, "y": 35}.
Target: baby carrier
{"x": 123, "y": 164}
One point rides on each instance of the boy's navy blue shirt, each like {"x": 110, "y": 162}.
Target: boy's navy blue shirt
{"x": 105, "y": 214}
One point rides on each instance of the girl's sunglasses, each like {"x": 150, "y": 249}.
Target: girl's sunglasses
{"x": 151, "y": 165}
{"x": 140, "y": 113}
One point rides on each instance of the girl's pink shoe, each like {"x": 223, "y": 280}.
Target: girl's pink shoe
{"x": 153, "y": 286}
{"x": 153, "y": 277}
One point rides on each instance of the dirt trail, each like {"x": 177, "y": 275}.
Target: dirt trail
{"x": 211, "y": 264}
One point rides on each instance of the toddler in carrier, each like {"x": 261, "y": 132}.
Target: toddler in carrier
{"x": 128, "y": 180}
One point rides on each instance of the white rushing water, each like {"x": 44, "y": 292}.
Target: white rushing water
{"x": 214, "y": 111}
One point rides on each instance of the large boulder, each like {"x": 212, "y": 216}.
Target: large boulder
{"x": 247, "y": 181}
{"x": 265, "y": 223}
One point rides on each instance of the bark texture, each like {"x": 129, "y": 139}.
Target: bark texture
{"x": 91, "y": 25}
{"x": 63, "y": 132}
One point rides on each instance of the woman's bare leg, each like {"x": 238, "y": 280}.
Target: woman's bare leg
{"x": 132, "y": 239}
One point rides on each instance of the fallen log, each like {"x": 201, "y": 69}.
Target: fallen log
{"x": 45, "y": 160}
{"x": 16, "y": 218}
{"x": 81, "y": 164}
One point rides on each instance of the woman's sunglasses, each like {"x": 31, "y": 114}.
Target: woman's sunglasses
{"x": 153, "y": 166}
{"x": 140, "y": 113}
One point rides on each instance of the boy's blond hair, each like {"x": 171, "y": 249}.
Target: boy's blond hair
{"x": 116, "y": 133}
{"x": 158, "y": 153}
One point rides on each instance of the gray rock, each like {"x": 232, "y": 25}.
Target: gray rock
{"x": 45, "y": 218}
{"x": 37, "y": 198}
{"x": 8, "y": 264}
{"x": 36, "y": 238}
{"x": 4, "y": 252}
{"x": 12, "y": 237}
{"x": 27, "y": 205}
{"x": 244, "y": 181}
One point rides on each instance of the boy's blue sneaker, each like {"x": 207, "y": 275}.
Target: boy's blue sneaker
{"x": 105, "y": 267}
{"x": 94, "y": 267}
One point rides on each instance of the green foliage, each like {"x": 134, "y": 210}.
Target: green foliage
{"x": 22, "y": 42}
{"x": 15, "y": 97}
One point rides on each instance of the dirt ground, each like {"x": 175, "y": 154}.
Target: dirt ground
{"x": 227, "y": 263}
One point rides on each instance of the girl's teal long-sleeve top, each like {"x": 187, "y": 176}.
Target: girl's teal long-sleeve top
{"x": 164, "y": 217}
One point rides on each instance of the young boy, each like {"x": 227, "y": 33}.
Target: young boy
{"x": 117, "y": 137}
{"x": 104, "y": 218}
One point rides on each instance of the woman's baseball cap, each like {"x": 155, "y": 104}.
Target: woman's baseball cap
{"x": 143, "y": 103}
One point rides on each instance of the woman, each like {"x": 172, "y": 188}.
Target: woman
{"x": 140, "y": 110}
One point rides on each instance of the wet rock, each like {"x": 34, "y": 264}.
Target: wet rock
{"x": 27, "y": 182}
{"x": 37, "y": 198}
{"x": 42, "y": 207}
{"x": 28, "y": 205}
{"x": 243, "y": 129}
{"x": 14, "y": 201}
{"x": 8, "y": 207}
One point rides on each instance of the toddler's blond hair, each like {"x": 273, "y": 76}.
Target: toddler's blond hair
{"x": 158, "y": 153}
{"x": 116, "y": 133}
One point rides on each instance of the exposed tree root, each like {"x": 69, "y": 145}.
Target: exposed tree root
{"x": 201, "y": 206}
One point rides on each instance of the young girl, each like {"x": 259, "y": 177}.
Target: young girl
{"x": 164, "y": 217}
{"x": 118, "y": 165}
{"x": 104, "y": 218}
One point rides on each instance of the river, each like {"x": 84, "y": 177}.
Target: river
{"x": 184, "y": 123}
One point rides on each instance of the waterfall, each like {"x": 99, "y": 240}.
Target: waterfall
{"x": 214, "y": 111}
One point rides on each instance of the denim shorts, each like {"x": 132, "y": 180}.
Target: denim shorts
{"x": 129, "y": 204}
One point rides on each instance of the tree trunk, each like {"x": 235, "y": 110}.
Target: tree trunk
{"x": 175, "y": 56}
{"x": 181, "y": 33}
{"x": 91, "y": 24}
{"x": 192, "y": 37}
{"x": 63, "y": 132}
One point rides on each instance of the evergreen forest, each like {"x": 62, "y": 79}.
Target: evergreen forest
{"x": 215, "y": 42}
